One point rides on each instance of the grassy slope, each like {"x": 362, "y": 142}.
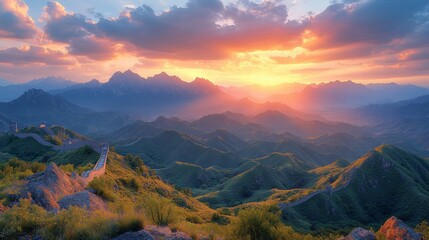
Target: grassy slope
{"x": 257, "y": 180}
{"x": 171, "y": 146}
{"x": 29, "y": 149}
{"x": 385, "y": 182}
{"x": 25, "y": 148}
{"x": 190, "y": 175}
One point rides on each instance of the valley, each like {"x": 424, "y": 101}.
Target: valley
{"x": 324, "y": 177}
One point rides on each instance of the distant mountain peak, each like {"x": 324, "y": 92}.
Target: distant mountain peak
{"x": 164, "y": 78}
{"x": 127, "y": 77}
{"x": 205, "y": 84}
{"x": 34, "y": 95}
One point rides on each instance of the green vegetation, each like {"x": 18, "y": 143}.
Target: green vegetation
{"x": 265, "y": 223}
{"x": 15, "y": 170}
{"x": 65, "y": 133}
{"x": 160, "y": 210}
{"x": 381, "y": 184}
{"x": 78, "y": 157}
{"x": 54, "y": 140}
{"x": 423, "y": 228}
{"x": 104, "y": 188}
{"x": 170, "y": 146}
{"x": 26, "y": 148}
{"x": 73, "y": 223}
{"x": 135, "y": 195}
{"x": 29, "y": 149}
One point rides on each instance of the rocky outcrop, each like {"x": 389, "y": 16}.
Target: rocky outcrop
{"x": 154, "y": 232}
{"x": 2, "y": 208}
{"x": 395, "y": 229}
{"x": 140, "y": 235}
{"x": 359, "y": 234}
{"x": 165, "y": 233}
{"x": 47, "y": 187}
{"x": 84, "y": 199}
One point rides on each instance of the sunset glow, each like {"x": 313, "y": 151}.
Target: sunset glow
{"x": 229, "y": 42}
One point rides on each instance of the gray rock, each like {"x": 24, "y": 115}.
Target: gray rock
{"x": 394, "y": 229}
{"x": 47, "y": 187}
{"x": 140, "y": 235}
{"x": 165, "y": 233}
{"x": 359, "y": 234}
{"x": 84, "y": 199}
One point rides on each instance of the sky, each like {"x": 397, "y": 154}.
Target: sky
{"x": 230, "y": 42}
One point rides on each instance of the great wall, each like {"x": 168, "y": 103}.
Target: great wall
{"x": 102, "y": 148}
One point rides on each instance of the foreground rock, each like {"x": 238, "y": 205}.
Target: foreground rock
{"x": 140, "y": 235}
{"x": 154, "y": 232}
{"x": 359, "y": 234}
{"x": 84, "y": 199}
{"x": 48, "y": 187}
{"x": 394, "y": 229}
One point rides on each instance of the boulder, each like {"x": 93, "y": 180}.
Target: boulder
{"x": 140, "y": 235}
{"x": 165, "y": 233}
{"x": 2, "y": 208}
{"x": 359, "y": 234}
{"x": 395, "y": 229}
{"x": 83, "y": 199}
{"x": 46, "y": 188}
{"x": 154, "y": 232}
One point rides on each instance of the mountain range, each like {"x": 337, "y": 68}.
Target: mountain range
{"x": 36, "y": 106}
{"x": 332, "y": 95}
{"x": 9, "y": 91}
{"x": 167, "y": 95}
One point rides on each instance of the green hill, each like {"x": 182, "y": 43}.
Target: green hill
{"x": 386, "y": 181}
{"x": 190, "y": 175}
{"x": 224, "y": 141}
{"x": 256, "y": 180}
{"x": 259, "y": 149}
{"x": 171, "y": 146}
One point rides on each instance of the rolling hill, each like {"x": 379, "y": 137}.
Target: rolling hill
{"x": 258, "y": 149}
{"x": 190, "y": 175}
{"x": 171, "y": 146}
{"x": 256, "y": 180}
{"x": 386, "y": 181}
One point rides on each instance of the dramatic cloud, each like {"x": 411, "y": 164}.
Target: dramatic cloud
{"x": 33, "y": 55}
{"x": 14, "y": 21}
{"x": 204, "y": 29}
{"x": 240, "y": 40}
{"x": 78, "y": 32}
{"x": 373, "y": 21}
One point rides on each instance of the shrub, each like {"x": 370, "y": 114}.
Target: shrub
{"x": 134, "y": 162}
{"x": 160, "y": 210}
{"x": 103, "y": 187}
{"x": 194, "y": 219}
{"x": 23, "y": 218}
{"x": 423, "y": 228}
{"x": 130, "y": 183}
{"x": 77, "y": 223}
{"x": 129, "y": 223}
{"x": 181, "y": 202}
{"x": 256, "y": 223}
{"x": 219, "y": 219}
